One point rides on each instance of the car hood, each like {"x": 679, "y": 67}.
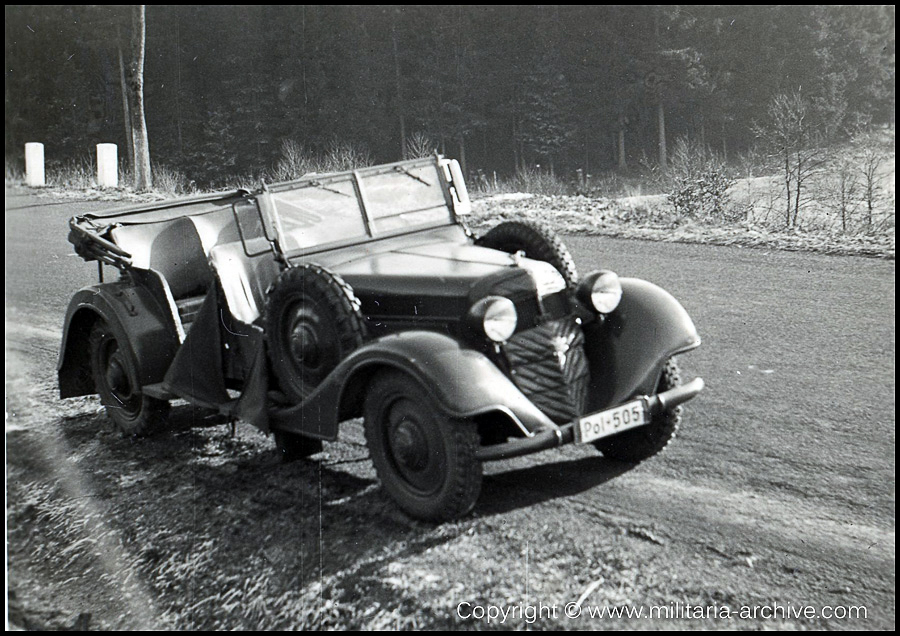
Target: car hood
{"x": 429, "y": 281}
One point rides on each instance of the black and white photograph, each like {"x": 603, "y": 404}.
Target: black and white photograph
{"x": 450, "y": 317}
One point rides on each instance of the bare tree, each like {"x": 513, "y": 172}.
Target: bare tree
{"x": 792, "y": 136}
{"x": 871, "y": 162}
{"x": 143, "y": 178}
{"x": 419, "y": 145}
{"x": 843, "y": 192}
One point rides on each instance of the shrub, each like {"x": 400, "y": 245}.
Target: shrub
{"x": 700, "y": 181}
{"x": 168, "y": 181}
{"x": 297, "y": 160}
{"x": 703, "y": 195}
{"x": 343, "y": 155}
{"x": 15, "y": 170}
{"x": 419, "y": 145}
{"x": 75, "y": 174}
{"x": 532, "y": 180}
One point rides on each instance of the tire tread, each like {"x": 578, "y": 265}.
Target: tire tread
{"x": 154, "y": 413}
{"x": 645, "y": 442}
{"x": 338, "y": 298}
{"x": 460, "y": 494}
{"x": 538, "y": 241}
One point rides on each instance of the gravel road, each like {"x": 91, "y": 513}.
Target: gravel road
{"x": 774, "y": 507}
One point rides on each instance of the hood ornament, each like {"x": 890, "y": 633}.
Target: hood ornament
{"x": 561, "y": 346}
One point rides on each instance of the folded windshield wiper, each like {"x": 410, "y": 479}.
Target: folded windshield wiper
{"x": 318, "y": 184}
{"x": 410, "y": 174}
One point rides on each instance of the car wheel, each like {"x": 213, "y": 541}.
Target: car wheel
{"x": 425, "y": 460}
{"x": 313, "y": 321}
{"x": 537, "y": 240}
{"x": 642, "y": 443}
{"x": 116, "y": 381}
{"x": 292, "y": 446}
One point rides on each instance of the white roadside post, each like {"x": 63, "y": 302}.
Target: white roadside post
{"x": 34, "y": 164}
{"x": 107, "y": 166}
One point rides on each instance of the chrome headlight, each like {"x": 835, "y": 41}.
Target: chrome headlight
{"x": 496, "y": 316}
{"x": 600, "y": 290}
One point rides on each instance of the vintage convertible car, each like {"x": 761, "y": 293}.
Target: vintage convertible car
{"x": 362, "y": 293}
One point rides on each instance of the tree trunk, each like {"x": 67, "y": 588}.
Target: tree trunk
{"x": 515, "y": 147}
{"x": 787, "y": 185}
{"x": 799, "y": 183}
{"x": 126, "y": 111}
{"x": 143, "y": 178}
{"x": 178, "y": 88}
{"x": 661, "y": 117}
{"x": 400, "y": 105}
{"x": 870, "y": 206}
{"x": 462, "y": 154}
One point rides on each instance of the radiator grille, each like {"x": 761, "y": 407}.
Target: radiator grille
{"x": 549, "y": 366}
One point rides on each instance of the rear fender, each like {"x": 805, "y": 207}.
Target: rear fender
{"x": 628, "y": 349}
{"x": 462, "y": 383}
{"x": 135, "y": 316}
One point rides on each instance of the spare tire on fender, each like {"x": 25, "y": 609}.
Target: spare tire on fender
{"x": 537, "y": 241}
{"x": 313, "y": 321}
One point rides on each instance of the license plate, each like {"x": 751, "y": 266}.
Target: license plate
{"x": 610, "y": 422}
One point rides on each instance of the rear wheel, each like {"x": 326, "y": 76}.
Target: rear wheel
{"x": 642, "y": 443}
{"x": 116, "y": 380}
{"x": 537, "y": 241}
{"x": 425, "y": 460}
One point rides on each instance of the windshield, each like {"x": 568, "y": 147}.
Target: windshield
{"x": 405, "y": 197}
{"x": 316, "y": 215}
{"x": 394, "y": 199}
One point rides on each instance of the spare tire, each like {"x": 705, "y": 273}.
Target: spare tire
{"x": 313, "y": 321}
{"x": 537, "y": 241}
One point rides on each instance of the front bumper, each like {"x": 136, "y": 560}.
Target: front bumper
{"x": 565, "y": 434}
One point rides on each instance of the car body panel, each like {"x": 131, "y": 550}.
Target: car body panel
{"x": 627, "y": 350}
{"x": 462, "y": 382}
{"x": 138, "y": 320}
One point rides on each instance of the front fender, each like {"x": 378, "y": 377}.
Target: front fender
{"x": 462, "y": 382}
{"x": 626, "y": 351}
{"x": 136, "y": 318}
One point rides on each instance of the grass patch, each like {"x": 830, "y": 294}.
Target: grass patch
{"x": 78, "y": 177}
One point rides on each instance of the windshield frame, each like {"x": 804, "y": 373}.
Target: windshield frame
{"x": 357, "y": 178}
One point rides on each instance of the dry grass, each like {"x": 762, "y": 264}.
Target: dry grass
{"x": 833, "y": 219}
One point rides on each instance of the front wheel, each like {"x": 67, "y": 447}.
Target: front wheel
{"x": 642, "y": 443}
{"x": 425, "y": 460}
{"x": 116, "y": 381}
